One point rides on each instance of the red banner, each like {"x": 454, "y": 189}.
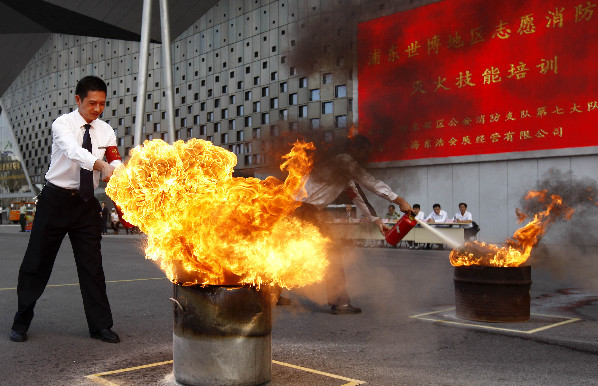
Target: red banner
{"x": 463, "y": 77}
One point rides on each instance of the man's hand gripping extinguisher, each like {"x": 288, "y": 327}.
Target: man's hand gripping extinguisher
{"x": 401, "y": 228}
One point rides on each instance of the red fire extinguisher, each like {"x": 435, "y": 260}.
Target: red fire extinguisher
{"x": 401, "y": 228}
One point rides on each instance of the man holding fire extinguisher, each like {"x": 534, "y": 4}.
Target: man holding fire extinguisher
{"x": 329, "y": 178}
{"x": 67, "y": 205}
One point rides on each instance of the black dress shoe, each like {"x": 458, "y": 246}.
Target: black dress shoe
{"x": 18, "y": 336}
{"x": 105, "y": 335}
{"x": 344, "y": 310}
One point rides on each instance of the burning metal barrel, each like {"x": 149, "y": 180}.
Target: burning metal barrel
{"x": 493, "y": 294}
{"x": 222, "y": 335}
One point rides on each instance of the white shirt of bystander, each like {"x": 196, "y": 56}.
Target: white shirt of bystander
{"x": 440, "y": 217}
{"x": 464, "y": 217}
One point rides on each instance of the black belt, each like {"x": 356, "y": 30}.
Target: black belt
{"x": 71, "y": 192}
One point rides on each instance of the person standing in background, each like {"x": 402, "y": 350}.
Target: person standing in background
{"x": 23, "y": 216}
{"x": 114, "y": 221}
{"x": 67, "y": 206}
{"x": 105, "y": 214}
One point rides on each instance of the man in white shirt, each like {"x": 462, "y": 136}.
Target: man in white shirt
{"x": 66, "y": 206}
{"x": 325, "y": 183}
{"x": 437, "y": 216}
{"x": 419, "y": 215}
{"x": 465, "y": 217}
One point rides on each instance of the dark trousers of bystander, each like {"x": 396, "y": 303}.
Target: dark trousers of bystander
{"x": 22, "y": 222}
{"x": 60, "y": 212}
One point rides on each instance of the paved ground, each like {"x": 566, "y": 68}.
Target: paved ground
{"x": 388, "y": 344}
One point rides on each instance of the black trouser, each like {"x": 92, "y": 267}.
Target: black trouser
{"x": 22, "y": 221}
{"x": 59, "y": 213}
{"x": 335, "y": 281}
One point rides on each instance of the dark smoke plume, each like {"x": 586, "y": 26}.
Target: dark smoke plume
{"x": 573, "y": 258}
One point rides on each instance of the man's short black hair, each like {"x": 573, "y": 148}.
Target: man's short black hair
{"x": 435, "y": 206}
{"x": 90, "y": 83}
{"x": 416, "y": 206}
{"x": 462, "y": 203}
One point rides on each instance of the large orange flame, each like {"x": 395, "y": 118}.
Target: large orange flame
{"x": 519, "y": 247}
{"x": 205, "y": 226}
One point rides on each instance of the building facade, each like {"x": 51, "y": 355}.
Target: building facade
{"x": 247, "y": 75}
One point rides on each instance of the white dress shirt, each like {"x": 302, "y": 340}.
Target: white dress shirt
{"x": 420, "y": 216}
{"x": 327, "y": 181}
{"x": 68, "y": 157}
{"x": 464, "y": 217}
{"x": 441, "y": 217}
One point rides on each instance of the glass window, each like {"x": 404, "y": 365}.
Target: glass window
{"x": 256, "y": 107}
{"x": 314, "y": 95}
{"x": 293, "y": 99}
{"x": 303, "y": 111}
{"x": 247, "y": 95}
{"x": 327, "y": 78}
{"x": 239, "y": 110}
{"x": 340, "y": 121}
{"x": 340, "y": 91}
{"x": 264, "y": 91}
{"x": 248, "y": 121}
{"x": 273, "y": 103}
{"x": 302, "y": 82}
{"x": 327, "y": 108}
{"x": 283, "y": 87}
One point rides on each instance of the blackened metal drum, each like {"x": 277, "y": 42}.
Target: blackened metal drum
{"x": 493, "y": 294}
{"x": 222, "y": 335}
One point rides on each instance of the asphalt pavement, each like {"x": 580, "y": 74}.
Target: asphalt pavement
{"x": 407, "y": 334}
